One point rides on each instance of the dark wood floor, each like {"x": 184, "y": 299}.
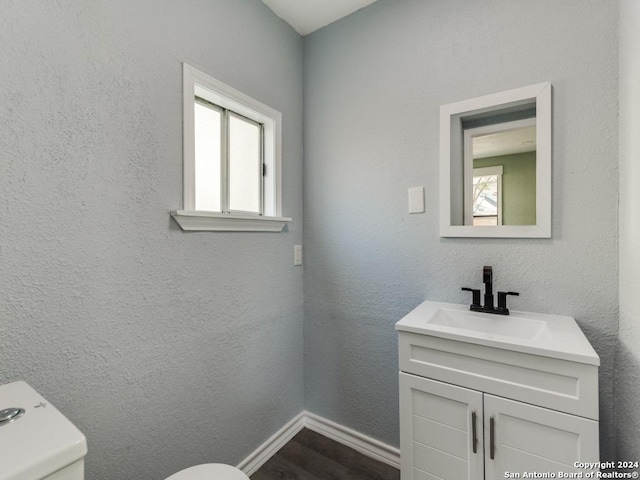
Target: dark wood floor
{"x": 310, "y": 456}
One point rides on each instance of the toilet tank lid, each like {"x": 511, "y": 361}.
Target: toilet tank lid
{"x": 39, "y": 442}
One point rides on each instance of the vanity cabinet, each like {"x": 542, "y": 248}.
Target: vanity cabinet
{"x": 446, "y": 432}
{"x": 476, "y": 409}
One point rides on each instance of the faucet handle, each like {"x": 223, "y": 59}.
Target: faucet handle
{"x": 502, "y": 301}
{"x": 476, "y": 296}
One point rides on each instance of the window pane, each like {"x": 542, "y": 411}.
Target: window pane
{"x": 245, "y": 165}
{"x": 207, "y": 145}
{"x": 485, "y": 196}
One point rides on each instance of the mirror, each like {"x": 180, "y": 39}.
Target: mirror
{"x": 495, "y": 165}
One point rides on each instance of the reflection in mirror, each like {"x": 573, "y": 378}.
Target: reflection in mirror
{"x": 507, "y": 197}
{"x": 486, "y": 201}
{"x": 496, "y": 165}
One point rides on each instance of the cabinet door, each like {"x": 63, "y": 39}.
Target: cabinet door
{"x": 437, "y": 431}
{"x": 535, "y": 439}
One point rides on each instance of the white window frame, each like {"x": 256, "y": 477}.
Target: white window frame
{"x": 197, "y": 83}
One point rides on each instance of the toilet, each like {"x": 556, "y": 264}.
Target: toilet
{"x": 37, "y": 442}
{"x": 209, "y": 471}
{"x": 28, "y": 453}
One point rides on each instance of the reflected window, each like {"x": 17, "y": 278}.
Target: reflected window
{"x": 487, "y": 196}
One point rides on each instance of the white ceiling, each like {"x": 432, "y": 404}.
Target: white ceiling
{"x": 307, "y": 16}
{"x": 505, "y": 143}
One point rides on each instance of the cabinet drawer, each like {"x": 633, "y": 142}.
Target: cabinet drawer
{"x": 560, "y": 385}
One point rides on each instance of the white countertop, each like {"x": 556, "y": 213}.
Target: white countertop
{"x": 555, "y": 336}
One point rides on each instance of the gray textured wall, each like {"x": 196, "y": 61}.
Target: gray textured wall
{"x": 166, "y": 349}
{"x": 628, "y": 359}
{"x": 374, "y": 83}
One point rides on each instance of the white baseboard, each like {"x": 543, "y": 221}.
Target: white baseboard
{"x": 366, "y": 445}
{"x": 269, "y": 448}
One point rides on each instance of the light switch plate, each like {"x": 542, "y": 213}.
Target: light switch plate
{"x": 416, "y": 200}
{"x": 297, "y": 255}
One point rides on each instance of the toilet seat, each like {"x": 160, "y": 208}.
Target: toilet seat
{"x": 209, "y": 471}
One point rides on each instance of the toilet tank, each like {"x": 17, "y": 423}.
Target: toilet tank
{"x": 37, "y": 442}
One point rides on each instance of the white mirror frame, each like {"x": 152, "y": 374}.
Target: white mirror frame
{"x": 451, "y": 147}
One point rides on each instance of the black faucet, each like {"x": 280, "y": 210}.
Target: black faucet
{"x": 487, "y": 279}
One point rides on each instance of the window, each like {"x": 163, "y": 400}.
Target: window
{"x": 229, "y": 163}
{"x": 232, "y": 176}
{"x": 487, "y": 196}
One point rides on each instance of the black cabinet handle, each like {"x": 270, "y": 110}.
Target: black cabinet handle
{"x": 492, "y": 439}
{"x": 475, "y": 432}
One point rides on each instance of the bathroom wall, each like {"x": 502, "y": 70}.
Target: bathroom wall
{"x": 166, "y": 349}
{"x": 374, "y": 83}
{"x": 628, "y": 359}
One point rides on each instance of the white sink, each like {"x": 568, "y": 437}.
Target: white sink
{"x": 556, "y": 336}
{"x": 516, "y": 326}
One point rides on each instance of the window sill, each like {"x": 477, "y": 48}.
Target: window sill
{"x": 199, "y": 221}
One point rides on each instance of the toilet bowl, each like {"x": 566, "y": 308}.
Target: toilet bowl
{"x": 209, "y": 471}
